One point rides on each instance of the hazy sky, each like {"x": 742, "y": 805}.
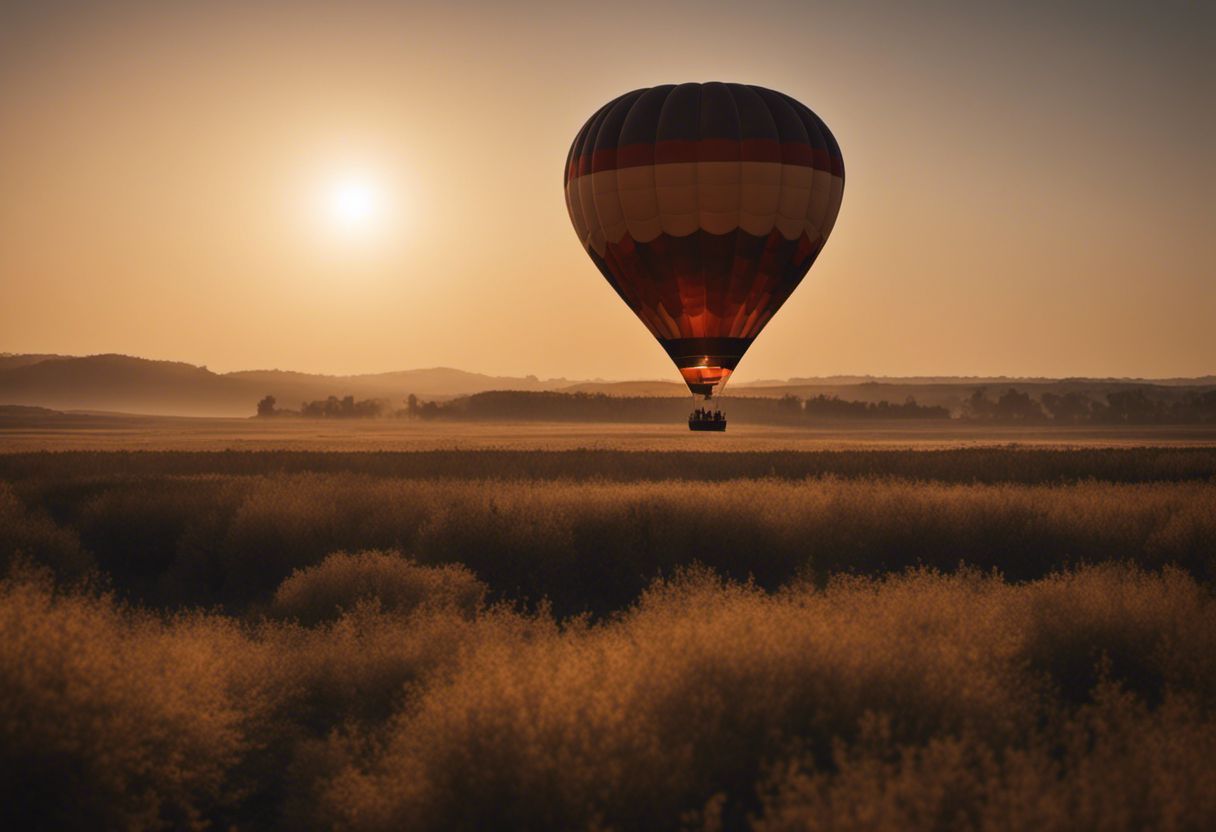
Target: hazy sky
{"x": 365, "y": 186}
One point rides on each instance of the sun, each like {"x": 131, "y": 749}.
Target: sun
{"x": 353, "y": 203}
{"x": 359, "y": 209}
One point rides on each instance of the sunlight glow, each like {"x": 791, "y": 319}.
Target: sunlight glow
{"x": 354, "y": 203}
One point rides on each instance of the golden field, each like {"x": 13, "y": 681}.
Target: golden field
{"x": 166, "y": 433}
{"x": 960, "y": 636}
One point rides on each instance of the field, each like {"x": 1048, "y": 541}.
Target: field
{"x": 605, "y": 627}
{"x": 20, "y": 432}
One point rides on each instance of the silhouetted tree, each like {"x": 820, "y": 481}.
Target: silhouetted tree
{"x": 1131, "y": 406}
{"x": 345, "y": 408}
{"x": 369, "y": 408}
{"x": 1071, "y": 407}
{"x": 979, "y": 406}
{"x": 266, "y": 406}
{"x": 791, "y": 404}
{"x": 1014, "y": 406}
{"x": 520, "y": 405}
{"x": 831, "y": 407}
{"x": 1195, "y": 407}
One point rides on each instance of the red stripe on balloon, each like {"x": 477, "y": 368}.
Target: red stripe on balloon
{"x": 704, "y": 150}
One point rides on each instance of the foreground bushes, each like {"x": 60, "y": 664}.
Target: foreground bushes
{"x": 395, "y": 584}
{"x": 385, "y": 653}
{"x": 1115, "y": 765}
{"x": 704, "y": 690}
{"x": 920, "y": 701}
{"x": 179, "y": 541}
{"x": 1027, "y": 465}
{"x": 29, "y": 534}
{"x": 112, "y": 719}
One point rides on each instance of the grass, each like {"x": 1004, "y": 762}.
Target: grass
{"x": 1028, "y": 465}
{"x": 175, "y": 541}
{"x": 393, "y": 584}
{"x": 915, "y": 701}
{"x": 866, "y": 640}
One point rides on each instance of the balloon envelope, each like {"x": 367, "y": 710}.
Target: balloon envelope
{"x": 704, "y": 205}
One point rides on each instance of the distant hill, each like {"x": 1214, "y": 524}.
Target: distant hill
{"x": 990, "y": 381}
{"x": 122, "y": 383}
{"x": 291, "y": 388}
{"x": 23, "y": 416}
{"x": 139, "y": 385}
{"x": 673, "y": 389}
{"x": 10, "y": 360}
{"x": 19, "y": 412}
{"x": 951, "y": 393}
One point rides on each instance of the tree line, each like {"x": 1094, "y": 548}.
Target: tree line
{"x": 516, "y": 405}
{"x": 331, "y": 408}
{"x": 1121, "y": 407}
{"x": 1010, "y": 407}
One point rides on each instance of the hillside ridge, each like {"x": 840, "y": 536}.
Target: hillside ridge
{"x": 116, "y": 382}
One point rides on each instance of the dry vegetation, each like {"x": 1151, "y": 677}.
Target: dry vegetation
{"x": 271, "y": 640}
{"x": 1010, "y": 463}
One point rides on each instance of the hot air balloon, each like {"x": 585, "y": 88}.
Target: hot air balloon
{"x": 704, "y": 205}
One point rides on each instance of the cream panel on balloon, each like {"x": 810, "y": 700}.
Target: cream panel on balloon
{"x": 760, "y": 196}
{"x": 586, "y": 198}
{"x": 676, "y": 188}
{"x": 795, "y": 199}
{"x": 574, "y": 206}
{"x": 833, "y": 206}
{"x": 608, "y": 207}
{"x": 639, "y": 201}
{"x": 817, "y": 206}
{"x": 679, "y": 198}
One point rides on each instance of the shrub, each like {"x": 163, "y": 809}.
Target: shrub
{"x": 1151, "y": 632}
{"x": 291, "y": 522}
{"x": 679, "y": 708}
{"x": 32, "y": 535}
{"x": 594, "y": 546}
{"x": 111, "y": 719}
{"x": 914, "y": 701}
{"x": 1009, "y": 463}
{"x": 1116, "y": 765}
{"x": 813, "y": 656}
{"x": 397, "y": 584}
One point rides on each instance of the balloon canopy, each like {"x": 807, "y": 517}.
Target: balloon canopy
{"x": 704, "y": 205}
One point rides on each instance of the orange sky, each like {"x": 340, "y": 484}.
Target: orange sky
{"x": 1030, "y": 190}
